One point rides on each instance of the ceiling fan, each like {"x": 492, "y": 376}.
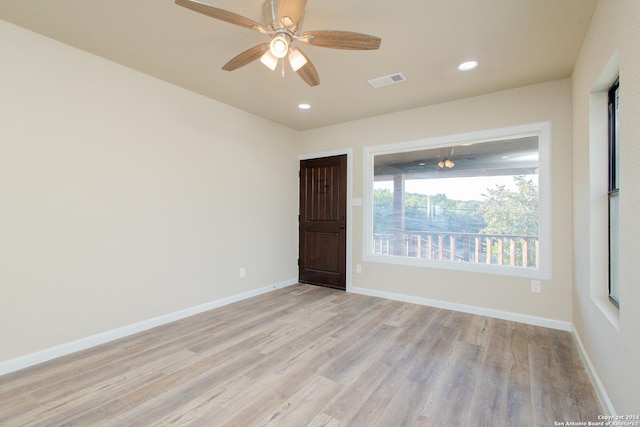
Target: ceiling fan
{"x": 285, "y": 28}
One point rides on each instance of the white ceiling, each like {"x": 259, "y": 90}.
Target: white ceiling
{"x": 516, "y": 42}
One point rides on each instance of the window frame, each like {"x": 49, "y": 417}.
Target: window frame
{"x": 541, "y": 129}
{"x": 613, "y": 191}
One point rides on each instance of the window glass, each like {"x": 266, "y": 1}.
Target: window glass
{"x": 464, "y": 204}
{"x": 614, "y": 255}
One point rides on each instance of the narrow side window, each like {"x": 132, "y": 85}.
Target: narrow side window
{"x": 614, "y": 193}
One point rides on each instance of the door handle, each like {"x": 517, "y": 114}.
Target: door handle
{"x": 342, "y": 226}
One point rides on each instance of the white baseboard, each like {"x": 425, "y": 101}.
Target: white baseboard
{"x": 497, "y": 314}
{"x": 593, "y": 375}
{"x": 114, "y": 334}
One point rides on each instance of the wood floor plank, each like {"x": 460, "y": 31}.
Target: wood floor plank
{"x": 249, "y": 407}
{"x": 303, "y": 406}
{"x": 12, "y": 407}
{"x": 430, "y": 355}
{"x": 52, "y": 372}
{"x": 86, "y": 399}
{"x": 368, "y": 413}
{"x": 450, "y": 399}
{"x": 307, "y": 355}
{"x": 490, "y": 397}
{"x": 498, "y": 342}
{"x": 542, "y": 397}
{"x": 412, "y": 331}
{"x": 174, "y": 399}
{"x": 478, "y": 331}
{"x": 363, "y": 351}
{"x": 276, "y": 383}
{"x": 404, "y": 409}
{"x": 198, "y": 410}
{"x": 346, "y": 404}
{"x": 324, "y": 420}
{"x": 519, "y": 403}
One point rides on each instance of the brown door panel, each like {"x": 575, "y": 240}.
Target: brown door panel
{"x": 323, "y": 215}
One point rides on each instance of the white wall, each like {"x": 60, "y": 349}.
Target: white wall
{"x": 123, "y": 198}
{"x": 611, "y": 337}
{"x": 544, "y": 102}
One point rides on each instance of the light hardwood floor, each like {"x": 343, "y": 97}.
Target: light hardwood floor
{"x": 307, "y": 355}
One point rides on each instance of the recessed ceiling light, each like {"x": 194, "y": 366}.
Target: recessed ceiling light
{"x": 469, "y": 65}
{"x": 304, "y": 106}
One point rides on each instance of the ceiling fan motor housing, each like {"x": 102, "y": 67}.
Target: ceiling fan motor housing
{"x": 279, "y": 45}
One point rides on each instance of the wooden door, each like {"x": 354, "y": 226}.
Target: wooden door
{"x": 323, "y": 221}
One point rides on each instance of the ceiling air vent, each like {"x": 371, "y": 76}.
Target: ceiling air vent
{"x": 387, "y": 80}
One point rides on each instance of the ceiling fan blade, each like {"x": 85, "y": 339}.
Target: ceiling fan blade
{"x": 291, "y": 11}
{"x": 246, "y": 57}
{"x": 340, "y": 40}
{"x": 222, "y": 15}
{"x": 308, "y": 72}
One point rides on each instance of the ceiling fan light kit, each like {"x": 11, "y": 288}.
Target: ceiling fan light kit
{"x": 296, "y": 59}
{"x": 269, "y": 60}
{"x": 285, "y": 29}
{"x": 279, "y": 46}
{"x": 448, "y": 163}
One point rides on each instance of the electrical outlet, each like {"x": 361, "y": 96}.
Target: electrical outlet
{"x": 358, "y": 268}
{"x": 243, "y": 273}
{"x": 536, "y": 286}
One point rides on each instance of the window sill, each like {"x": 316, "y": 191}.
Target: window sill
{"x": 608, "y": 310}
{"x": 526, "y": 273}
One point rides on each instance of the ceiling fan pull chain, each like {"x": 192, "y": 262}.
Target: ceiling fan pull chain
{"x": 283, "y": 61}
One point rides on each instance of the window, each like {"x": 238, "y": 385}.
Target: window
{"x": 614, "y": 194}
{"x": 469, "y": 202}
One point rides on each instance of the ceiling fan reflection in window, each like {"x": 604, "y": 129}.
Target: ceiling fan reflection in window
{"x": 284, "y": 30}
